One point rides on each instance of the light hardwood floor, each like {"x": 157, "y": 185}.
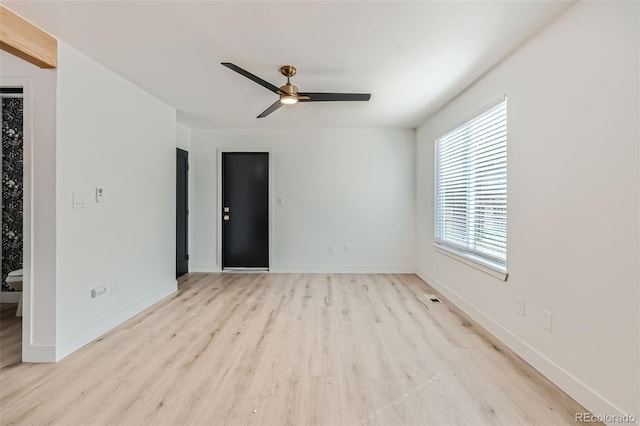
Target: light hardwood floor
{"x": 10, "y": 337}
{"x": 285, "y": 349}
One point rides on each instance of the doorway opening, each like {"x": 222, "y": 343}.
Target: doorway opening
{"x": 13, "y": 219}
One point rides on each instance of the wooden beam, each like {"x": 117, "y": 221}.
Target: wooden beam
{"x": 24, "y": 40}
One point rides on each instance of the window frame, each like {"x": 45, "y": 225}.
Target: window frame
{"x": 471, "y": 257}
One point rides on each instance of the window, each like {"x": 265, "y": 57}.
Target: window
{"x": 471, "y": 189}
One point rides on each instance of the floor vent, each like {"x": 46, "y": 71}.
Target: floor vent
{"x": 433, "y": 298}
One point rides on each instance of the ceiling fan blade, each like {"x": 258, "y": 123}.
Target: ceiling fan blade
{"x": 274, "y": 106}
{"x": 328, "y": 97}
{"x": 252, "y": 77}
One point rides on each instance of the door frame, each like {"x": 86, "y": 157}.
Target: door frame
{"x": 220, "y": 206}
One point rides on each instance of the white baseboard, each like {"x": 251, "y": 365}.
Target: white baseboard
{"x": 39, "y": 353}
{"x": 91, "y": 333}
{"x": 204, "y": 268}
{"x": 583, "y": 394}
{"x": 343, "y": 269}
{"x": 10, "y": 296}
{"x": 322, "y": 269}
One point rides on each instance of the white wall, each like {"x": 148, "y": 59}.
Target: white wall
{"x": 39, "y": 287}
{"x": 183, "y": 137}
{"x": 573, "y": 208}
{"x": 337, "y": 187}
{"x": 112, "y": 135}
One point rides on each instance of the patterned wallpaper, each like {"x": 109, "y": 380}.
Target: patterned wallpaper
{"x": 11, "y": 187}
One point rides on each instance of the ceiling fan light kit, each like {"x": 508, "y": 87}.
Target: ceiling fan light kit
{"x": 288, "y": 100}
{"x": 288, "y": 93}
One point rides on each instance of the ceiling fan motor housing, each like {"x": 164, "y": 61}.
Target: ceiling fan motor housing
{"x": 289, "y": 88}
{"x": 289, "y": 95}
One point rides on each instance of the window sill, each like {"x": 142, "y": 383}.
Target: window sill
{"x": 490, "y": 268}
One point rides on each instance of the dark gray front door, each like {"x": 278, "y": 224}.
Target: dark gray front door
{"x": 245, "y": 215}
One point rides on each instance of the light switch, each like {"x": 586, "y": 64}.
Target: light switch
{"x": 280, "y": 201}
{"x": 80, "y": 200}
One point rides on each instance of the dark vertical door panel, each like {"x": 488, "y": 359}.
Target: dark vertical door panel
{"x": 245, "y": 215}
{"x": 182, "y": 213}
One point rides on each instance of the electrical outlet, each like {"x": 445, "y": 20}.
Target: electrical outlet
{"x": 331, "y": 250}
{"x": 347, "y": 248}
{"x": 547, "y": 320}
{"x": 521, "y": 306}
{"x": 98, "y": 291}
{"x": 114, "y": 287}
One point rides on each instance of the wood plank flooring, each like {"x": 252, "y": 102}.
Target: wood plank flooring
{"x": 10, "y": 336}
{"x": 284, "y": 349}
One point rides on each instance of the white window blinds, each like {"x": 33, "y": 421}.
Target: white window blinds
{"x": 471, "y": 186}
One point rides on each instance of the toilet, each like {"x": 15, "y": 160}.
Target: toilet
{"x": 14, "y": 279}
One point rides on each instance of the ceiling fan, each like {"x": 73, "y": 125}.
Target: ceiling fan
{"x": 288, "y": 93}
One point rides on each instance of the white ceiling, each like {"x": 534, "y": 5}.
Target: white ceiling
{"x": 412, "y": 57}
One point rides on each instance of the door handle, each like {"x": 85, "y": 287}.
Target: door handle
{"x": 226, "y": 217}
